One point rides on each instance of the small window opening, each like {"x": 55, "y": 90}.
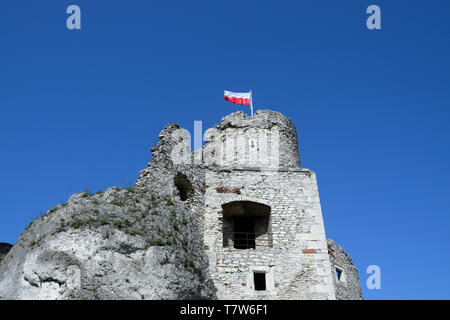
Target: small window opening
{"x": 338, "y": 274}
{"x": 260, "y": 281}
{"x": 183, "y": 186}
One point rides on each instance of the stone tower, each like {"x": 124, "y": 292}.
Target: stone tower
{"x": 263, "y": 228}
{"x": 258, "y": 210}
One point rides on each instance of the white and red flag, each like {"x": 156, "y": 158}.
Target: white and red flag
{"x": 239, "y": 97}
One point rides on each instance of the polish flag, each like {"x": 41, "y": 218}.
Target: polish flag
{"x": 238, "y": 97}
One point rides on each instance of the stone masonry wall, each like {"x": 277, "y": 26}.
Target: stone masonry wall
{"x": 297, "y": 265}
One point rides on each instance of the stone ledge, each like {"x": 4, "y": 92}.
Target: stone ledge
{"x": 281, "y": 169}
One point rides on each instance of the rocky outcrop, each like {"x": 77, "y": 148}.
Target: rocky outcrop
{"x": 345, "y": 274}
{"x": 136, "y": 243}
{"x": 4, "y": 249}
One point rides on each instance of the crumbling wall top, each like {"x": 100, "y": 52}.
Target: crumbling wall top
{"x": 263, "y": 119}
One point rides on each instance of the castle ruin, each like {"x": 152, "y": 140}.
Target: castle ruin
{"x": 259, "y": 211}
{"x": 237, "y": 219}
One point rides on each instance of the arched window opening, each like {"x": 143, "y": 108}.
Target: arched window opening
{"x": 246, "y": 225}
{"x": 184, "y": 186}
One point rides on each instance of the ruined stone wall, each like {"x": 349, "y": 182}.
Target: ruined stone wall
{"x": 297, "y": 265}
{"x": 238, "y": 163}
{"x": 171, "y": 161}
{"x": 344, "y": 272}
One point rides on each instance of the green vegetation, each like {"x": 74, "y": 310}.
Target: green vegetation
{"x": 188, "y": 264}
{"x": 119, "y": 224}
{"x": 133, "y": 233}
{"x": 118, "y": 203}
{"x": 169, "y": 201}
{"x": 166, "y": 260}
{"x": 29, "y": 225}
{"x": 158, "y": 242}
{"x": 175, "y": 225}
{"x": 139, "y": 215}
{"x": 77, "y": 224}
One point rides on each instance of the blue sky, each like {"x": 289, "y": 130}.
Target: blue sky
{"x": 80, "y": 109}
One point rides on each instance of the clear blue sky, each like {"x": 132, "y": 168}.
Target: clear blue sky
{"x": 80, "y": 109}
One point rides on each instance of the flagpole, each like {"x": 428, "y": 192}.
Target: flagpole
{"x": 251, "y": 102}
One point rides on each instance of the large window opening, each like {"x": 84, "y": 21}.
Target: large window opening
{"x": 246, "y": 225}
{"x": 259, "y": 279}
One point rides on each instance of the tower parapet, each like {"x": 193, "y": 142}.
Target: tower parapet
{"x": 268, "y": 139}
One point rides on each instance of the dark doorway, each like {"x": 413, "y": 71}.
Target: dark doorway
{"x": 260, "y": 281}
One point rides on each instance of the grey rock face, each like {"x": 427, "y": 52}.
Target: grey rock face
{"x": 4, "y": 249}
{"x": 120, "y": 244}
{"x": 345, "y": 274}
{"x": 136, "y": 243}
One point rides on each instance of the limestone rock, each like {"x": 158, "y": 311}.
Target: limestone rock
{"x": 135, "y": 243}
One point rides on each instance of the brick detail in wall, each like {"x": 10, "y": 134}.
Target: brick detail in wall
{"x": 224, "y": 190}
